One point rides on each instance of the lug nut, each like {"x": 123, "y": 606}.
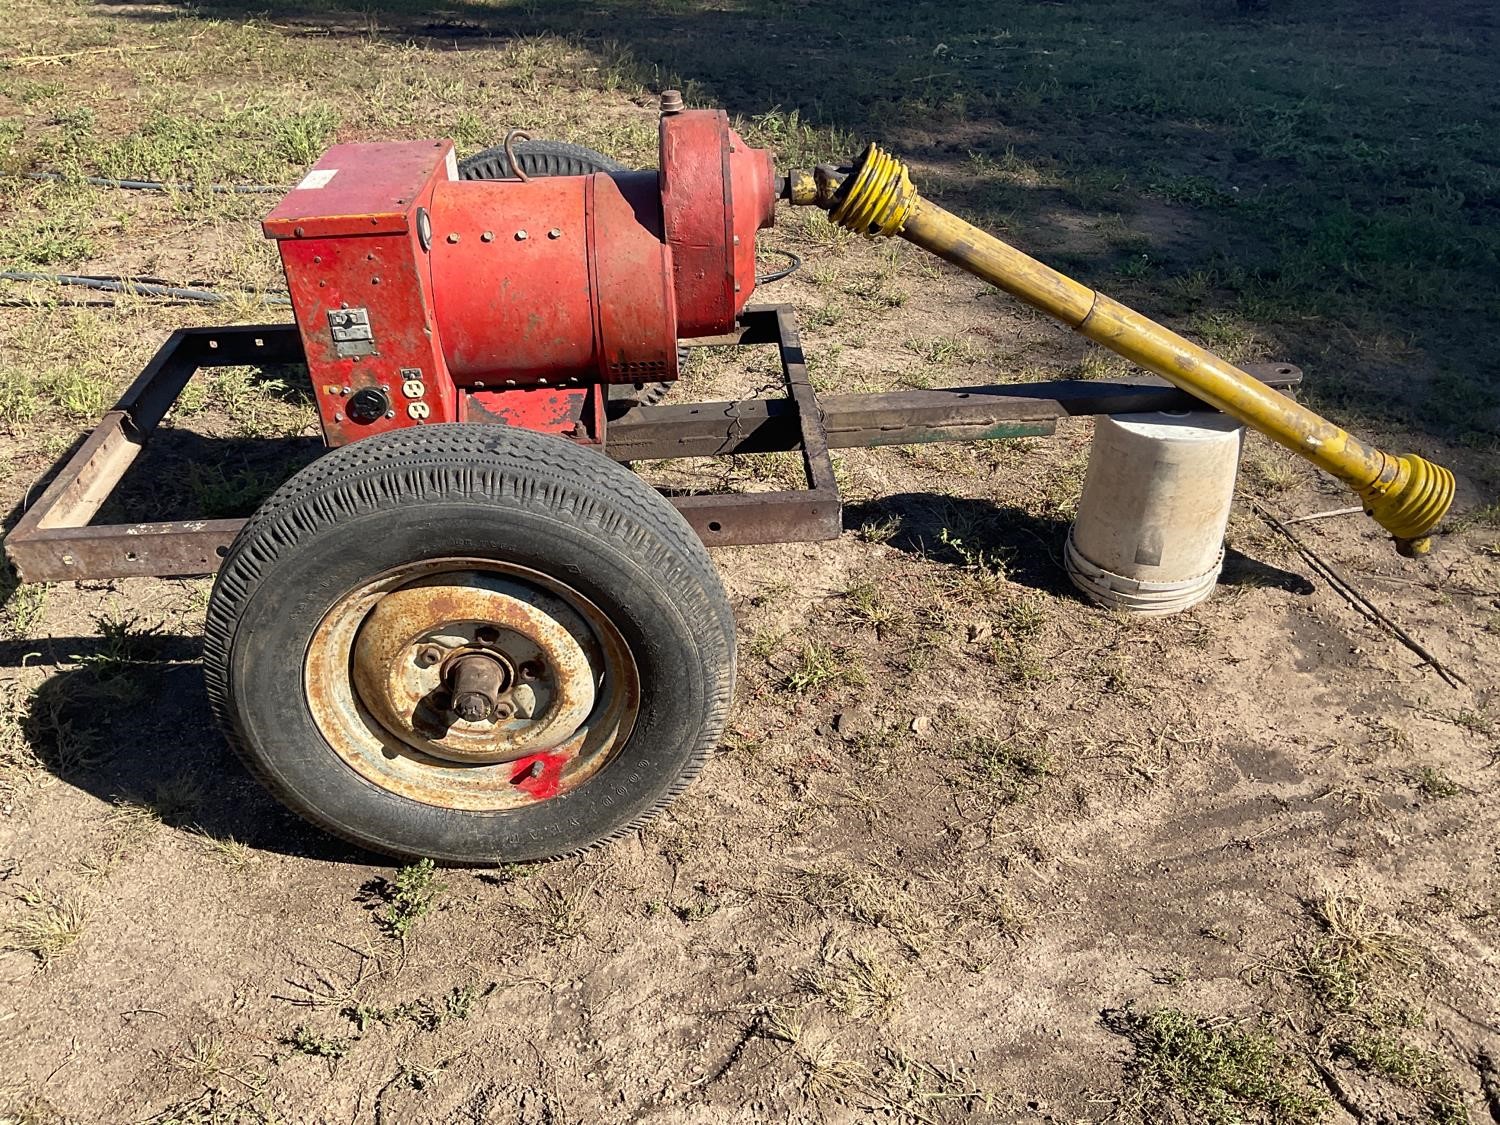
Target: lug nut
{"x": 429, "y": 655}
{"x": 502, "y": 711}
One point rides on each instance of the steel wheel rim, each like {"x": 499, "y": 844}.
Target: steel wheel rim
{"x": 505, "y": 763}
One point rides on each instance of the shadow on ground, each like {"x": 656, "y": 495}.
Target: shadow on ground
{"x": 136, "y": 730}
{"x": 1026, "y": 548}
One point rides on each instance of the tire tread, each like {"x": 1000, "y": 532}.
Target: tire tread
{"x": 441, "y": 462}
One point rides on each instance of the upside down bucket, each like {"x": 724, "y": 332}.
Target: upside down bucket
{"x": 1149, "y": 535}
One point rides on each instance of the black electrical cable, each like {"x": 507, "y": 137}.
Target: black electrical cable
{"x": 794, "y": 264}
{"x": 156, "y": 287}
{"x": 153, "y": 185}
{"x": 113, "y": 283}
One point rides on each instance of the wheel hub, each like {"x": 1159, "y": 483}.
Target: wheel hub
{"x": 473, "y": 667}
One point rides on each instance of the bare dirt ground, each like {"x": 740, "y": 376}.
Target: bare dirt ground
{"x": 973, "y": 850}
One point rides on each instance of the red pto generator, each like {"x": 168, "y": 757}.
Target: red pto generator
{"x": 470, "y": 633}
{"x": 424, "y": 299}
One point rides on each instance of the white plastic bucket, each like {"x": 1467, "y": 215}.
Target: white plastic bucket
{"x": 1149, "y": 534}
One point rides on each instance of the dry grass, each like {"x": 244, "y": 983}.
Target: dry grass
{"x": 854, "y": 982}
{"x": 870, "y": 897}
{"x": 1348, "y": 962}
{"x": 47, "y": 925}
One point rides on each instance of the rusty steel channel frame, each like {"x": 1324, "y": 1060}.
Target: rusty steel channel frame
{"x": 55, "y": 541}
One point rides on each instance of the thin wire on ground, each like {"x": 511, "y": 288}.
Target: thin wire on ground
{"x": 1352, "y": 594}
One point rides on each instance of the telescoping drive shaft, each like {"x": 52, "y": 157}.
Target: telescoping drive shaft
{"x": 1407, "y": 494}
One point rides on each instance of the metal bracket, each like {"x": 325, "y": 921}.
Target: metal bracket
{"x": 791, "y": 516}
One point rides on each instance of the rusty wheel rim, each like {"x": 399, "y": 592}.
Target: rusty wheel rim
{"x": 547, "y": 689}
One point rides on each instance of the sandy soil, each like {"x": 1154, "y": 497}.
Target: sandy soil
{"x": 923, "y": 888}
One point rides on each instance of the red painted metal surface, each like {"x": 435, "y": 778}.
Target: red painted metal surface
{"x": 360, "y": 189}
{"x": 572, "y": 412}
{"x": 358, "y": 278}
{"x": 412, "y": 287}
{"x": 514, "y": 303}
{"x": 632, "y": 275}
{"x": 554, "y": 280}
{"x": 716, "y": 192}
{"x": 540, "y": 775}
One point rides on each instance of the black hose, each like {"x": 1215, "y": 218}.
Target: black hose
{"x": 154, "y": 288}
{"x": 153, "y": 185}
{"x": 794, "y": 264}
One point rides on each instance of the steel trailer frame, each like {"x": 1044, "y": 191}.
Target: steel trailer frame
{"x": 54, "y": 540}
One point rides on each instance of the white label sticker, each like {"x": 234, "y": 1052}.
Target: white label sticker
{"x": 317, "y": 178}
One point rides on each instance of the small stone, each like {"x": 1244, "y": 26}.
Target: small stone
{"x": 922, "y": 726}
{"x": 850, "y": 724}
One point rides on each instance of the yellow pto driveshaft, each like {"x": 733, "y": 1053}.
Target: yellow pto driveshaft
{"x": 1407, "y": 495}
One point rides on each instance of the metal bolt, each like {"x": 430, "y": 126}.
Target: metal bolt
{"x": 471, "y": 707}
{"x": 502, "y": 712}
{"x": 453, "y": 237}
{"x": 521, "y": 236}
{"x": 297, "y": 231}
{"x": 374, "y": 281}
{"x": 555, "y": 232}
{"x": 429, "y": 655}
{"x": 487, "y": 236}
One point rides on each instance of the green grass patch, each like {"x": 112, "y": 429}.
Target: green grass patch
{"x": 222, "y": 141}
{"x": 1012, "y": 769}
{"x": 1414, "y": 1068}
{"x": 1213, "y": 1072}
{"x": 408, "y": 898}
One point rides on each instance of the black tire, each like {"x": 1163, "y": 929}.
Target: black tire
{"x": 559, "y": 158}
{"x": 469, "y": 492}
{"x": 537, "y": 158}
{"x": 622, "y": 398}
